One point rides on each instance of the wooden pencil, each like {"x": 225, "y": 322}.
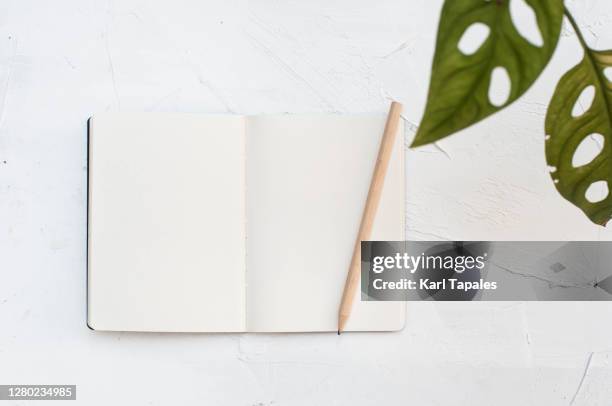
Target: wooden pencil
{"x": 369, "y": 212}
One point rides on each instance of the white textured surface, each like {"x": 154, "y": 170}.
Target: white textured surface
{"x": 61, "y": 61}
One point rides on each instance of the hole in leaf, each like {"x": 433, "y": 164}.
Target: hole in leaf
{"x": 473, "y": 38}
{"x": 547, "y": 137}
{"x": 552, "y": 169}
{"x": 597, "y": 191}
{"x": 525, "y": 21}
{"x": 587, "y": 150}
{"x": 499, "y": 88}
{"x": 584, "y": 101}
{"x": 608, "y": 73}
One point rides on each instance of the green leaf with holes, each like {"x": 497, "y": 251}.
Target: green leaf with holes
{"x": 565, "y": 133}
{"x": 459, "y": 87}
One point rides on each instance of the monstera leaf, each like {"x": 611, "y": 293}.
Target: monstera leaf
{"x": 566, "y": 131}
{"x": 459, "y": 87}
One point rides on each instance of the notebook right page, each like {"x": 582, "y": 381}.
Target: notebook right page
{"x": 307, "y": 182}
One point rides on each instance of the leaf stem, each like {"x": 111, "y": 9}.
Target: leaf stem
{"x": 576, "y": 28}
{"x": 587, "y": 51}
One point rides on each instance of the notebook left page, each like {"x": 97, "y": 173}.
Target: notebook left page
{"x": 166, "y": 223}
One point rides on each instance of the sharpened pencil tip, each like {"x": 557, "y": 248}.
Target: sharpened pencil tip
{"x": 342, "y": 319}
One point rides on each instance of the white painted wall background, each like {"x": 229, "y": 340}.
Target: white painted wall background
{"x": 63, "y": 60}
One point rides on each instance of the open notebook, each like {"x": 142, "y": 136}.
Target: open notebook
{"x": 221, "y": 223}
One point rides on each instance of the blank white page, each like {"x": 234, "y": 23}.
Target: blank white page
{"x": 166, "y": 223}
{"x": 307, "y": 183}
